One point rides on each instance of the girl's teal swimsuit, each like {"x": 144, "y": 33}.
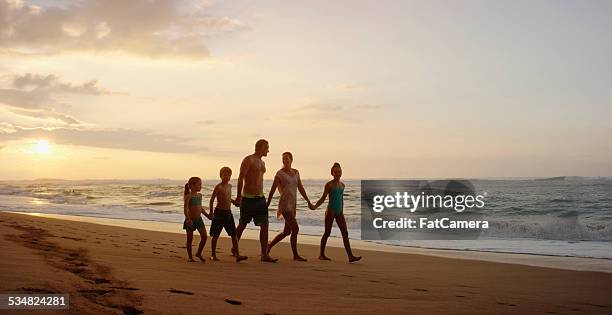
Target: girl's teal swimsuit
{"x": 197, "y": 222}
{"x": 335, "y": 199}
{"x": 195, "y": 201}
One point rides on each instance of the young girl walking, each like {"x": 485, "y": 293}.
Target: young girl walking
{"x": 192, "y": 207}
{"x": 335, "y": 189}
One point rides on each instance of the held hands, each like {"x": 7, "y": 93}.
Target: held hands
{"x": 311, "y": 206}
{"x": 238, "y": 201}
{"x": 210, "y": 215}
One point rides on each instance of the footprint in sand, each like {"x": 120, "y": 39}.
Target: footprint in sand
{"x": 507, "y": 304}
{"x": 101, "y": 281}
{"x": 76, "y": 270}
{"x": 233, "y": 302}
{"x": 596, "y": 305}
{"x": 126, "y": 288}
{"x": 420, "y": 290}
{"x": 96, "y": 291}
{"x": 72, "y": 238}
{"x": 180, "y": 291}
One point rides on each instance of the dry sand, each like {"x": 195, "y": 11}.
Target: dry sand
{"x": 109, "y": 269}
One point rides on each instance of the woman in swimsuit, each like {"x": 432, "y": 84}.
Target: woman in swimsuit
{"x": 335, "y": 189}
{"x": 192, "y": 207}
{"x": 288, "y": 181}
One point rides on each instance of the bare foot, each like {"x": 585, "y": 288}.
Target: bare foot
{"x": 214, "y": 257}
{"x": 190, "y": 260}
{"x": 241, "y": 258}
{"x": 200, "y": 257}
{"x": 299, "y": 258}
{"x": 323, "y": 257}
{"x": 354, "y": 258}
{"x": 268, "y": 259}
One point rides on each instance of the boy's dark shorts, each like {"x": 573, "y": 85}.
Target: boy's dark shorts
{"x": 222, "y": 219}
{"x": 254, "y": 208}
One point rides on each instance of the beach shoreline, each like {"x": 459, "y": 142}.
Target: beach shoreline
{"x": 547, "y": 261}
{"x": 116, "y": 269}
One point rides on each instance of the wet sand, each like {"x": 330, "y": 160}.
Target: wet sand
{"x": 109, "y": 269}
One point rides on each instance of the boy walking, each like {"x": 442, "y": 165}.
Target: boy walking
{"x": 222, "y": 216}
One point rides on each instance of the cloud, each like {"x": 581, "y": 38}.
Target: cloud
{"x": 320, "y": 108}
{"x": 126, "y": 139}
{"x": 52, "y": 83}
{"x": 156, "y": 29}
{"x": 350, "y": 86}
{"x": 340, "y": 111}
{"x": 37, "y": 81}
{"x": 32, "y": 95}
{"x": 366, "y": 107}
{"x": 47, "y": 114}
{"x": 6, "y": 128}
{"x": 24, "y": 99}
{"x": 207, "y": 122}
{"x": 331, "y": 107}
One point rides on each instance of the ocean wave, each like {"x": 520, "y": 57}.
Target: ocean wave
{"x": 561, "y": 200}
{"x": 164, "y": 193}
{"x": 569, "y": 214}
{"x": 160, "y": 203}
{"x": 14, "y": 190}
{"x": 565, "y": 229}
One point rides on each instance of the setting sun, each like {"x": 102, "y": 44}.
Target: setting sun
{"x": 42, "y": 147}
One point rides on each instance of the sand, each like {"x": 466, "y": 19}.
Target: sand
{"x": 109, "y": 269}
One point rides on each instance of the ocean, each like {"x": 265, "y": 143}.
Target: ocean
{"x": 571, "y": 217}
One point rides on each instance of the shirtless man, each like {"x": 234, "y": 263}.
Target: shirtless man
{"x": 251, "y": 198}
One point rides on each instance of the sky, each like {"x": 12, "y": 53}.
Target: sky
{"x": 390, "y": 89}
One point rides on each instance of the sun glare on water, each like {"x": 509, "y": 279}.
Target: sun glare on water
{"x": 42, "y": 147}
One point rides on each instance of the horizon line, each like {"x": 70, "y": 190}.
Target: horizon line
{"x": 352, "y": 179}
